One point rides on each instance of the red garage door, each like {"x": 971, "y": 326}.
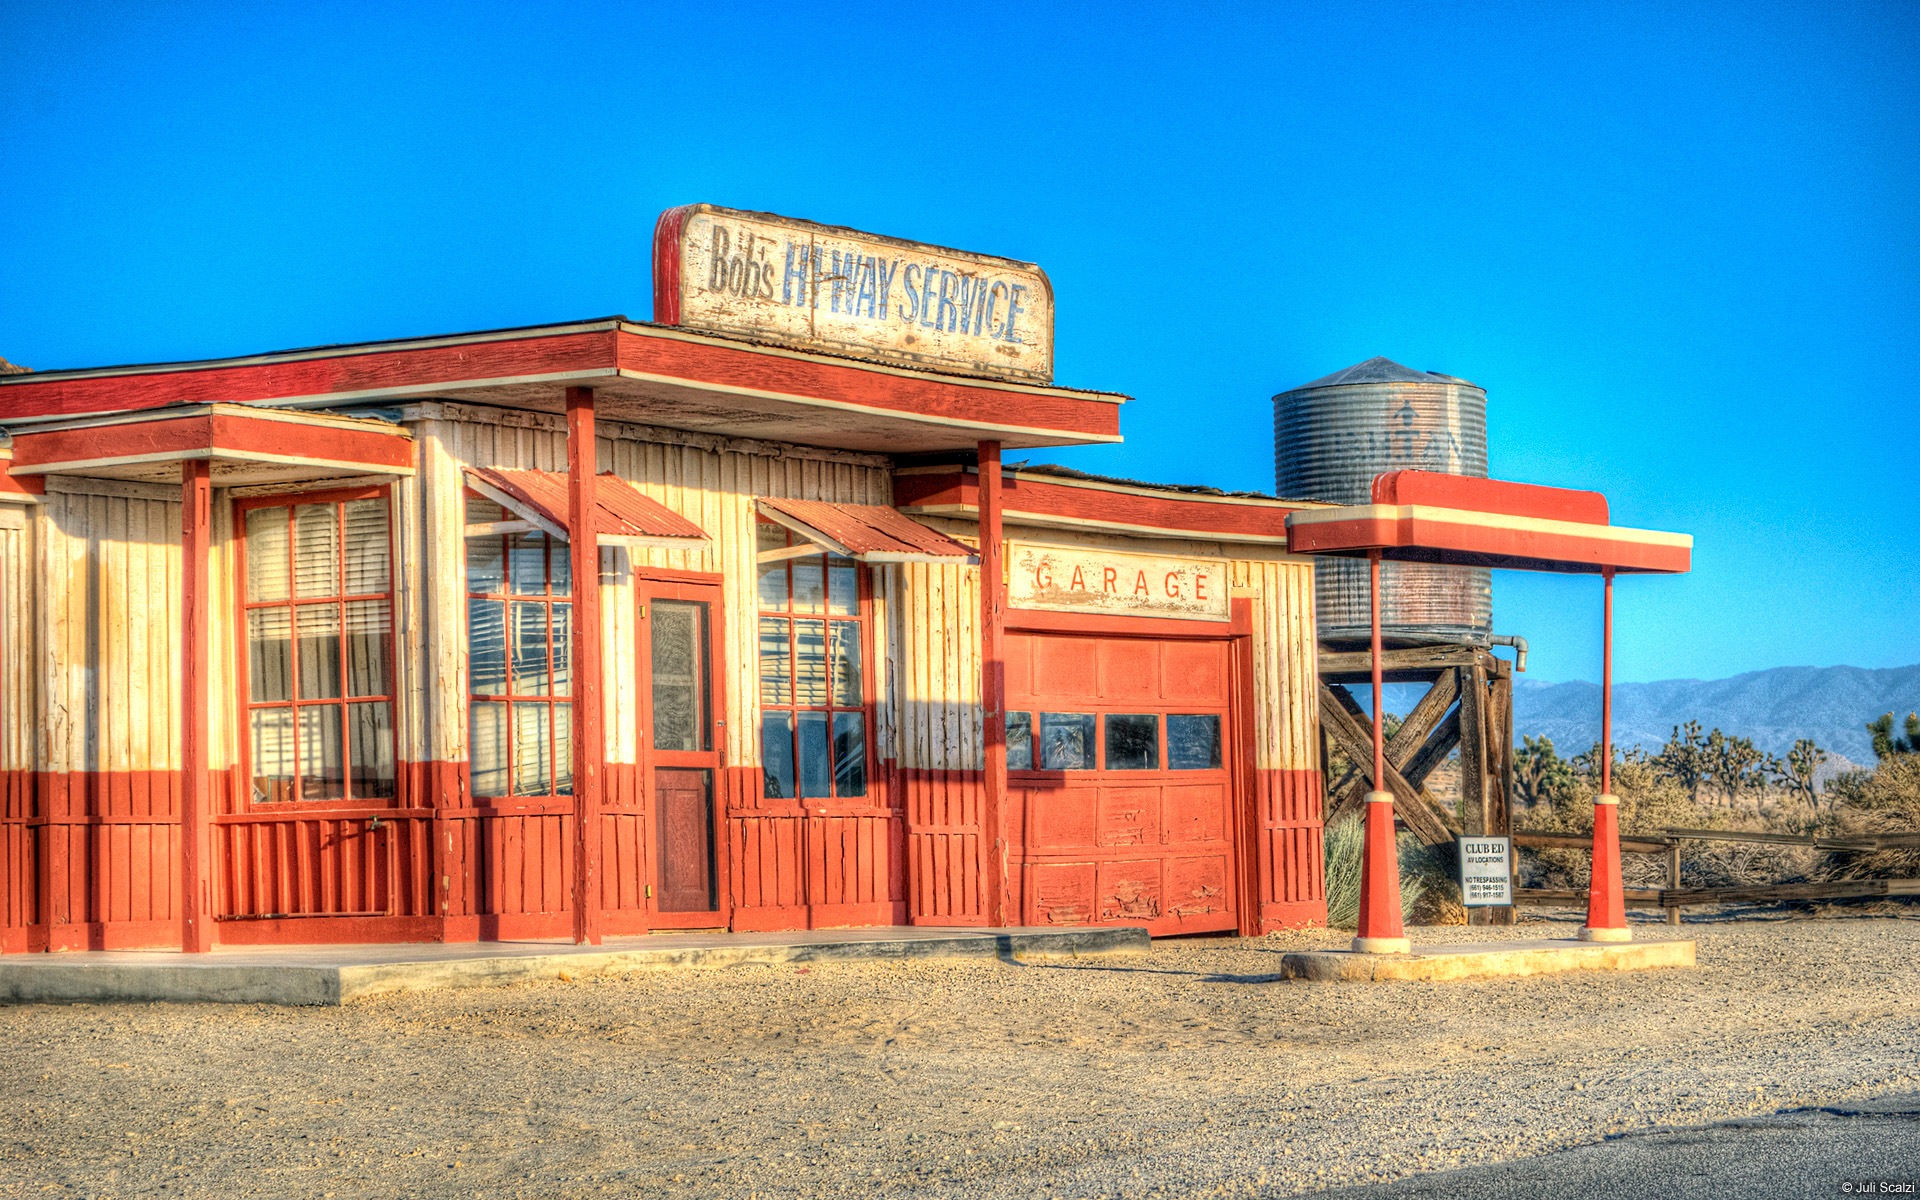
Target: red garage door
{"x": 1119, "y": 794}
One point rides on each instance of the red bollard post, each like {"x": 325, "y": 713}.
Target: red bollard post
{"x": 1380, "y": 931}
{"x": 1606, "y": 894}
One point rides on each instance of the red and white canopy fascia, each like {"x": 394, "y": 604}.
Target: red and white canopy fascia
{"x": 1426, "y": 516}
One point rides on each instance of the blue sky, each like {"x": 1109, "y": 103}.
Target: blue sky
{"x": 1679, "y": 245}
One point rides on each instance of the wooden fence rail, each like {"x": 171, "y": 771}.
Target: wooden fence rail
{"x": 1673, "y": 897}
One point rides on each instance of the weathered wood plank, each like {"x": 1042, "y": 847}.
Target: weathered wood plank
{"x": 1414, "y": 805}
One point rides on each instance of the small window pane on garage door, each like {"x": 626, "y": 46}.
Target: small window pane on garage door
{"x": 1144, "y": 833}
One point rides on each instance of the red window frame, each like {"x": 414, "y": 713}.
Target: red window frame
{"x": 243, "y": 683}
{"x": 863, "y": 616}
{"x": 560, "y": 751}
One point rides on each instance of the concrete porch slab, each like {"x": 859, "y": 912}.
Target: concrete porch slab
{"x": 1442, "y": 962}
{"x": 331, "y": 975}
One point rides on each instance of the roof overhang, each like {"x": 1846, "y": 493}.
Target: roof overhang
{"x": 871, "y": 533}
{"x": 1033, "y": 498}
{"x": 623, "y": 515}
{"x": 643, "y": 373}
{"x": 1420, "y": 516}
{"x": 245, "y": 445}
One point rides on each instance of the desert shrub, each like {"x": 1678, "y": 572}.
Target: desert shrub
{"x": 1885, "y": 799}
{"x": 1344, "y": 841}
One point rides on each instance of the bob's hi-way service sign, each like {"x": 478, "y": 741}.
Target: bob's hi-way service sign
{"x": 1075, "y": 580}
{"x": 819, "y": 287}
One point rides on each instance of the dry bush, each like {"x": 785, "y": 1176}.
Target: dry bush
{"x": 1885, "y": 799}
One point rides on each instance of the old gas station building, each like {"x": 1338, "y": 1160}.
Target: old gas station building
{"x": 734, "y": 619}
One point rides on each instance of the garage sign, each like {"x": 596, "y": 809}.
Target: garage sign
{"x": 1073, "y": 580}
{"x": 821, "y": 287}
{"x": 1486, "y": 872}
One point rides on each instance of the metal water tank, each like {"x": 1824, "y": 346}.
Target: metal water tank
{"x": 1331, "y": 437}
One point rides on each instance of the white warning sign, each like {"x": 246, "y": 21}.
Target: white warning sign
{"x": 1486, "y": 872}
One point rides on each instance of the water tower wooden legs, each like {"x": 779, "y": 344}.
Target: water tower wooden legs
{"x": 1468, "y": 707}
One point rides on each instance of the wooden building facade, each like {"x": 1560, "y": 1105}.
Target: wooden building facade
{"x": 288, "y": 653}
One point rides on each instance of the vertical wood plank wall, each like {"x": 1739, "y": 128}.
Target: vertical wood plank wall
{"x": 1289, "y": 859}
{"x": 19, "y": 833}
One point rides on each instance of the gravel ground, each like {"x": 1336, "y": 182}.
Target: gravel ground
{"x": 1188, "y": 1071}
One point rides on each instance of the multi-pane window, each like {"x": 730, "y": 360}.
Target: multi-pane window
{"x": 319, "y": 629}
{"x": 519, "y": 660}
{"x": 813, "y": 704}
{"x": 1112, "y": 741}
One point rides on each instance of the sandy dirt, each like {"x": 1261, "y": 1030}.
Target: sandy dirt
{"x": 1188, "y": 1071}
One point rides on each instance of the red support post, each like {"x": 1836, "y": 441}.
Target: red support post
{"x": 1380, "y": 930}
{"x": 583, "y": 548}
{"x": 1606, "y": 895}
{"x": 993, "y": 685}
{"x": 196, "y": 535}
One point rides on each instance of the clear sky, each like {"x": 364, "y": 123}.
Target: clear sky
{"x": 1679, "y": 245}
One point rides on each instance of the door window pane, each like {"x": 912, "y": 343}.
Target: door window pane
{"x": 776, "y": 664}
{"x": 487, "y": 646}
{"x": 1193, "y": 741}
{"x": 1066, "y": 741}
{"x": 1019, "y": 741}
{"x": 816, "y": 768}
{"x": 849, "y": 754}
{"x": 776, "y": 755}
{"x": 370, "y": 746}
{"x": 369, "y": 632}
{"x": 317, "y": 626}
{"x": 1133, "y": 742}
{"x": 847, "y": 681}
{"x": 316, "y": 550}
{"x": 269, "y": 655}
{"x": 266, "y": 554}
{"x": 369, "y": 567}
{"x": 487, "y": 748}
{"x": 322, "y": 776}
{"x": 678, "y": 668}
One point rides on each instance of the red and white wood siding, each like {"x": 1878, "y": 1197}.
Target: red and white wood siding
{"x": 792, "y": 863}
{"x": 1288, "y": 860}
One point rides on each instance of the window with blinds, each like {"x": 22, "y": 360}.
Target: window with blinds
{"x": 318, "y": 605}
{"x": 519, "y": 661}
{"x": 813, "y": 703}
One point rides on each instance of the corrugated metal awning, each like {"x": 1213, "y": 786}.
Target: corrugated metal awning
{"x": 870, "y": 533}
{"x": 1430, "y": 517}
{"x": 625, "y": 517}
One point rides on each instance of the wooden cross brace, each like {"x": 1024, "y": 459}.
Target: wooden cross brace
{"x": 1411, "y": 755}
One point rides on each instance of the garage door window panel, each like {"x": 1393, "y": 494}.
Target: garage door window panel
{"x": 1066, "y": 741}
{"x": 1193, "y": 741}
{"x": 1133, "y": 742}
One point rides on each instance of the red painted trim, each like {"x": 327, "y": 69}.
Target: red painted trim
{"x": 216, "y": 435}
{"x": 589, "y": 748}
{"x": 1489, "y": 495}
{"x": 993, "y": 680}
{"x": 1026, "y": 496}
{"x": 666, "y": 264}
{"x": 1413, "y": 538}
{"x": 196, "y": 619}
{"x": 19, "y": 485}
{"x": 1030, "y": 620}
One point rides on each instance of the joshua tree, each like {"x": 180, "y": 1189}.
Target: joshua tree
{"x": 1735, "y": 764}
{"x": 1539, "y": 773}
{"x": 1684, "y": 759}
{"x": 1795, "y": 772}
{"x": 1886, "y": 744}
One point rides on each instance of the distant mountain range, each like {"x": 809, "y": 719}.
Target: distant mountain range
{"x": 1831, "y": 705}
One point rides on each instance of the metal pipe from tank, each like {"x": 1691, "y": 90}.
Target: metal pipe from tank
{"x": 1331, "y": 438}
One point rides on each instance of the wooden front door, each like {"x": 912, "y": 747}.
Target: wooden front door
{"x": 681, "y": 715}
